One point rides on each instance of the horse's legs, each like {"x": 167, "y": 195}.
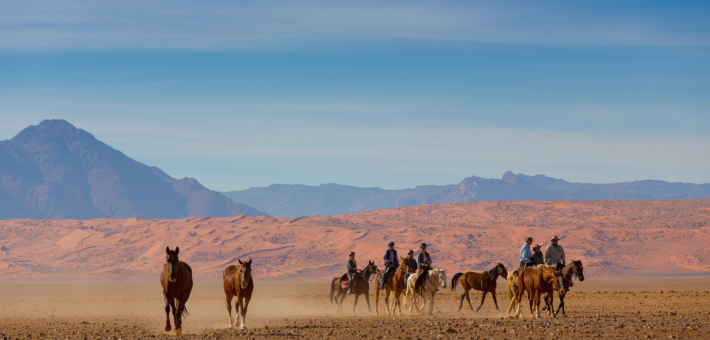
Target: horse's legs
{"x": 431, "y": 303}
{"x": 367, "y": 299}
{"x": 342, "y": 297}
{"x": 531, "y": 298}
{"x": 463, "y": 296}
{"x": 377, "y": 301}
{"x": 387, "y": 300}
{"x": 167, "y": 314}
{"x": 495, "y": 301}
{"x": 244, "y": 302}
{"x": 562, "y": 306}
{"x": 396, "y": 303}
{"x": 537, "y": 304}
{"x": 483, "y": 298}
{"x": 355, "y": 304}
{"x": 229, "y": 297}
{"x": 171, "y": 301}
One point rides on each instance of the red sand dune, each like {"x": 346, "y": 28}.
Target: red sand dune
{"x": 610, "y": 237}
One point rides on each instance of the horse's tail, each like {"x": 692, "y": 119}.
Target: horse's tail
{"x": 455, "y": 280}
{"x": 184, "y": 312}
{"x": 510, "y": 288}
{"x": 332, "y": 290}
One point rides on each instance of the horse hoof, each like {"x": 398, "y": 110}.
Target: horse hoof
{"x": 178, "y": 331}
{"x": 243, "y": 327}
{"x": 168, "y": 328}
{"x": 563, "y": 314}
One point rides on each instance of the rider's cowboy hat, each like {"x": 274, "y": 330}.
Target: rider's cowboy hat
{"x": 554, "y": 238}
{"x": 391, "y": 244}
{"x": 528, "y": 239}
{"x": 423, "y": 245}
{"x": 351, "y": 253}
{"x": 537, "y": 246}
{"x": 410, "y": 251}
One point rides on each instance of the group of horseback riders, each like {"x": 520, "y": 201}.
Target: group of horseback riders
{"x": 554, "y": 256}
{"x": 421, "y": 266}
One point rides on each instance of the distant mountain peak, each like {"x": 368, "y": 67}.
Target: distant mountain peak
{"x": 509, "y": 177}
{"x": 55, "y": 170}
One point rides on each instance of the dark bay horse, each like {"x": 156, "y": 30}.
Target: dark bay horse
{"x": 537, "y": 281}
{"x": 394, "y": 287}
{"x": 574, "y": 269}
{"x": 362, "y": 286}
{"x": 238, "y": 282}
{"x": 485, "y": 282}
{"x": 176, "y": 280}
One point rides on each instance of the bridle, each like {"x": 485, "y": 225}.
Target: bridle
{"x": 169, "y": 278}
{"x": 575, "y": 273}
{"x": 244, "y": 278}
{"x": 438, "y": 279}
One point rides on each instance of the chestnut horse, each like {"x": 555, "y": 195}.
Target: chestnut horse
{"x": 574, "y": 269}
{"x": 538, "y": 281}
{"x": 238, "y": 282}
{"x": 485, "y": 282}
{"x": 394, "y": 287}
{"x": 176, "y": 280}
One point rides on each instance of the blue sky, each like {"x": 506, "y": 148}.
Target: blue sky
{"x": 388, "y": 94}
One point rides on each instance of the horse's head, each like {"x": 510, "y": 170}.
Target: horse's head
{"x": 404, "y": 263}
{"x": 245, "y": 273}
{"x": 554, "y": 277}
{"x": 578, "y": 269}
{"x": 372, "y": 266}
{"x": 501, "y": 270}
{"x": 172, "y": 263}
{"x": 442, "y": 277}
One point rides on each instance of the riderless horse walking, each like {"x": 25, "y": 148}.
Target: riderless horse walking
{"x": 176, "y": 279}
{"x": 537, "y": 281}
{"x": 238, "y": 282}
{"x": 485, "y": 282}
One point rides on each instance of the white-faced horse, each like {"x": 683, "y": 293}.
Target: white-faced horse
{"x": 434, "y": 279}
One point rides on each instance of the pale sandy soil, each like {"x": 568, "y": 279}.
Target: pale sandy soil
{"x": 603, "y": 308}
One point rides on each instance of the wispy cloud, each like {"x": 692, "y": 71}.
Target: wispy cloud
{"x": 335, "y": 25}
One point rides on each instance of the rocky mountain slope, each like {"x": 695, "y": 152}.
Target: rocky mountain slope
{"x": 611, "y": 237}
{"x": 54, "y": 170}
{"x": 333, "y": 199}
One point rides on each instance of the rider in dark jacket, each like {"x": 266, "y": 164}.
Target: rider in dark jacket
{"x": 412, "y": 264}
{"x": 352, "y": 269}
{"x": 391, "y": 264}
{"x": 424, "y": 265}
{"x": 537, "y": 257}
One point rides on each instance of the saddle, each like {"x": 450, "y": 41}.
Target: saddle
{"x": 344, "y": 280}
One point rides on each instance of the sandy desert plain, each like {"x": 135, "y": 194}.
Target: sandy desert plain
{"x": 646, "y": 265}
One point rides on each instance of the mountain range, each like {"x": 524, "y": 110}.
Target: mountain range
{"x": 333, "y": 199}
{"x": 54, "y": 170}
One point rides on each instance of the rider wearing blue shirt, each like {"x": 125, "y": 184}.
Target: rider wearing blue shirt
{"x": 525, "y": 253}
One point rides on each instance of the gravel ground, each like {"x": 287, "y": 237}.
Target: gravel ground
{"x": 623, "y": 315}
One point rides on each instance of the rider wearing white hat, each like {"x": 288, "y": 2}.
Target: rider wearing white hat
{"x": 555, "y": 254}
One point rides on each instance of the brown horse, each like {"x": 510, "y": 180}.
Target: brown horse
{"x": 362, "y": 286}
{"x": 538, "y": 281}
{"x": 394, "y": 287}
{"x": 238, "y": 282}
{"x": 176, "y": 280}
{"x": 574, "y": 269}
{"x": 485, "y": 282}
